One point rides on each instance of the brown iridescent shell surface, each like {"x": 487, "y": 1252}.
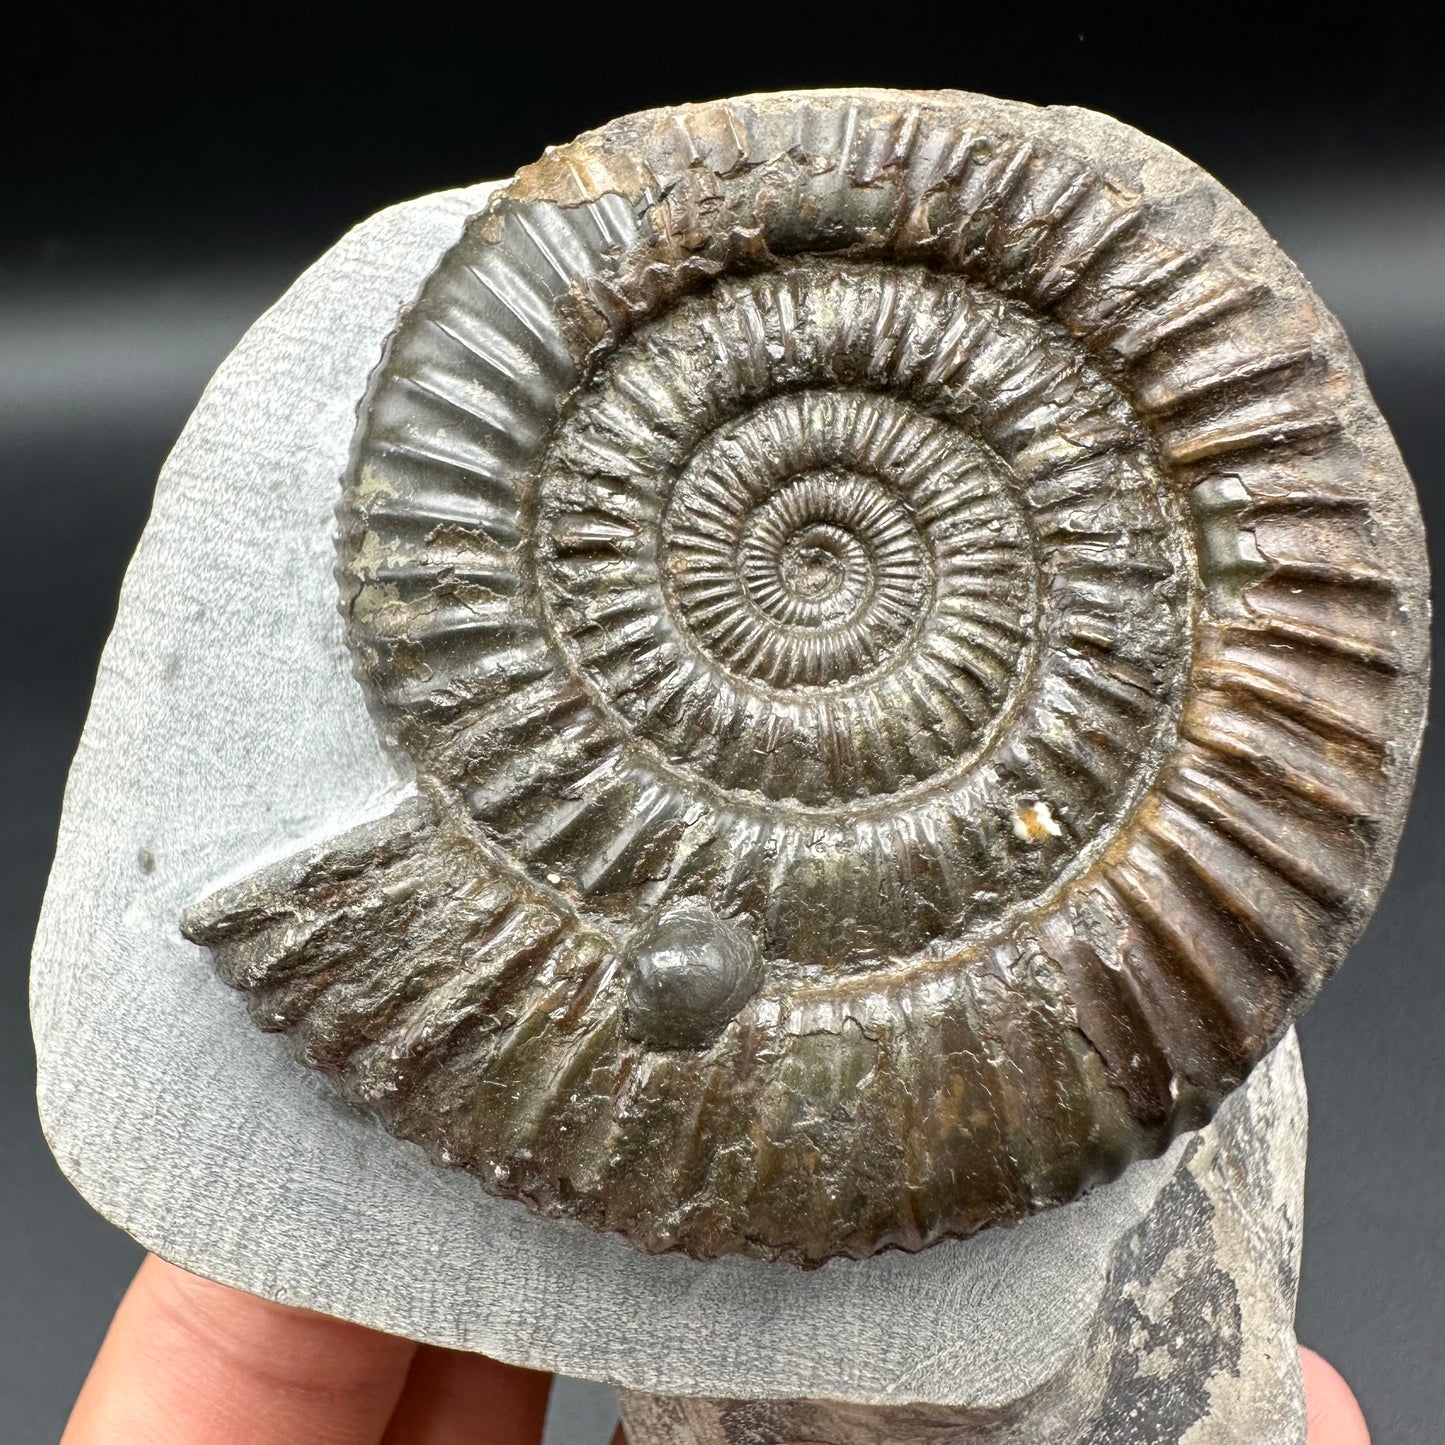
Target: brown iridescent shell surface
{"x": 910, "y": 632}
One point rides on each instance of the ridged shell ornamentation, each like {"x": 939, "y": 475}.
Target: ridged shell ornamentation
{"x": 911, "y": 646}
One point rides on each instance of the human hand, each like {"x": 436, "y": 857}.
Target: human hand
{"x": 1334, "y": 1413}
{"x": 188, "y": 1362}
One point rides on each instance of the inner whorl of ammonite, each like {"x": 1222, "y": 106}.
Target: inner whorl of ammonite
{"x": 809, "y": 577}
{"x": 856, "y": 592}
{"x": 910, "y": 635}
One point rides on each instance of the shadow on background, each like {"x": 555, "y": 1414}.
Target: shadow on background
{"x": 165, "y": 188}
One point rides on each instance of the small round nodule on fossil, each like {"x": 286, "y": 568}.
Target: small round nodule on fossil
{"x": 688, "y": 975}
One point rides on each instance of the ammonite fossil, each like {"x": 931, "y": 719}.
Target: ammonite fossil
{"x": 910, "y": 632}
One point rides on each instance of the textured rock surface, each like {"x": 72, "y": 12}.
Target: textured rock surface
{"x": 1191, "y": 1343}
{"x": 201, "y": 1136}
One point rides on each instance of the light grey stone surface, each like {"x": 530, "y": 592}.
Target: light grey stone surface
{"x": 226, "y": 729}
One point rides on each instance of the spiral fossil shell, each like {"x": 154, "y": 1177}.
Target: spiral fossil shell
{"x": 910, "y": 633}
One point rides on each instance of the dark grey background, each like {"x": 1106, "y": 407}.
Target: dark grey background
{"x": 162, "y": 183}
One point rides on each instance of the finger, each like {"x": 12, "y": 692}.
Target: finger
{"x": 454, "y": 1398}
{"x": 188, "y": 1362}
{"x": 1334, "y": 1414}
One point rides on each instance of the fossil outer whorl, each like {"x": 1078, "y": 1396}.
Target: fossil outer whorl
{"x": 910, "y": 631}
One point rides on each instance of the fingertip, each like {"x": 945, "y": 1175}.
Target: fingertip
{"x": 1334, "y": 1413}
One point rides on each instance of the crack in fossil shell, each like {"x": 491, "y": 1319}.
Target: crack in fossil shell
{"x": 875, "y": 544}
